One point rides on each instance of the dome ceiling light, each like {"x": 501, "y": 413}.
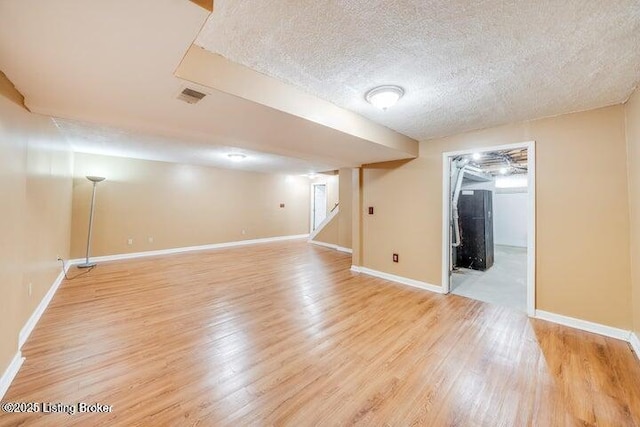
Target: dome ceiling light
{"x": 237, "y": 157}
{"x": 385, "y": 96}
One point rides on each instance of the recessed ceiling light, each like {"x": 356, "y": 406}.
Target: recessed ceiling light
{"x": 476, "y": 156}
{"x": 384, "y": 97}
{"x": 236, "y": 157}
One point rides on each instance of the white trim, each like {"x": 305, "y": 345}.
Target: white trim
{"x": 531, "y": 226}
{"x": 635, "y": 343}
{"x": 398, "y": 279}
{"x": 331, "y": 246}
{"x": 312, "y": 202}
{"x": 531, "y": 229}
{"x": 324, "y": 223}
{"x": 324, "y": 244}
{"x": 28, "y": 327}
{"x": 584, "y": 325}
{"x": 189, "y": 249}
{"x": 10, "y": 373}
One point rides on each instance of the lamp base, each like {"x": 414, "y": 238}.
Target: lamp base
{"x": 87, "y": 265}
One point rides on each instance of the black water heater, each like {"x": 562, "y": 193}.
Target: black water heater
{"x": 475, "y": 211}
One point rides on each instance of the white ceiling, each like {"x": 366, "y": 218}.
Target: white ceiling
{"x": 464, "y": 64}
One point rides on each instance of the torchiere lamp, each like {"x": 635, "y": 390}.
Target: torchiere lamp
{"x": 95, "y": 180}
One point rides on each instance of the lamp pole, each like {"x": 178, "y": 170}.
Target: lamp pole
{"x": 95, "y": 180}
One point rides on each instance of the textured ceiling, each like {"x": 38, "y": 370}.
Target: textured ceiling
{"x": 464, "y": 64}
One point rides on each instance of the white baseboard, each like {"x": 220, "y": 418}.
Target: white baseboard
{"x": 10, "y": 373}
{"x": 188, "y": 249}
{"x": 635, "y": 343}
{"x": 331, "y": 246}
{"x": 398, "y": 279}
{"x": 26, "y": 330}
{"x": 584, "y": 325}
{"x": 323, "y": 244}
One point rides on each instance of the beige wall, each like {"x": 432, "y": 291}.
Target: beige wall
{"x": 633, "y": 157}
{"x": 181, "y": 205}
{"x": 329, "y": 233}
{"x": 583, "y": 262}
{"x": 35, "y": 183}
{"x": 344, "y": 218}
{"x": 338, "y": 231}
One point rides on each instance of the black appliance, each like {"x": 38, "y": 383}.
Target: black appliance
{"x": 475, "y": 210}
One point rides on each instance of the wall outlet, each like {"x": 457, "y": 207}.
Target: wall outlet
{"x": 150, "y": 239}
{"x": 370, "y": 210}
{"x": 130, "y": 242}
{"x": 282, "y": 205}
{"x": 58, "y": 258}
{"x": 395, "y": 258}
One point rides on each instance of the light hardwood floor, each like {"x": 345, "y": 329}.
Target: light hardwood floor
{"x": 285, "y": 334}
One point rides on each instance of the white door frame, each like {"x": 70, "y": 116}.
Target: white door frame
{"x": 313, "y": 201}
{"x": 531, "y": 226}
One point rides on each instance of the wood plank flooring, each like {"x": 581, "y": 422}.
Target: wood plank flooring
{"x": 285, "y": 334}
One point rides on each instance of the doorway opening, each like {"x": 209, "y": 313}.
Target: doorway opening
{"x": 318, "y": 205}
{"x": 489, "y": 225}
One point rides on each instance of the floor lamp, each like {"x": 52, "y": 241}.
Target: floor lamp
{"x": 95, "y": 180}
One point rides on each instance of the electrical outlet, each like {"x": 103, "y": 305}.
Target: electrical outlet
{"x": 58, "y": 258}
{"x": 130, "y": 242}
{"x": 395, "y": 258}
{"x": 370, "y": 210}
{"x": 150, "y": 239}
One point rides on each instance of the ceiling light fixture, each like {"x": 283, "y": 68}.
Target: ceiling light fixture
{"x": 236, "y": 157}
{"x": 385, "y": 96}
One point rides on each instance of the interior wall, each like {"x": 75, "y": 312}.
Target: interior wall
{"x": 164, "y": 205}
{"x": 510, "y": 215}
{"x": 632, "y": 109}
{"x": 582, "y": 256}
{"x": 329, "y": 233}
{"x": 344, "y": 218}
{"x": 35, "y": 216}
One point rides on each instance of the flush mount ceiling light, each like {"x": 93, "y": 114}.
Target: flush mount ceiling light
{"x": 384, "y": 97}
{"x": 236, "y": 157}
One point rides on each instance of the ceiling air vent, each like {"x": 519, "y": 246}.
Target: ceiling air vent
{"x": 191, "y": 96}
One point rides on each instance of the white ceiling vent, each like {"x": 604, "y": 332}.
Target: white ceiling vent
{"x": 190, "y": 96}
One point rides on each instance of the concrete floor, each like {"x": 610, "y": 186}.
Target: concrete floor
{"x": 505, "y": 283}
